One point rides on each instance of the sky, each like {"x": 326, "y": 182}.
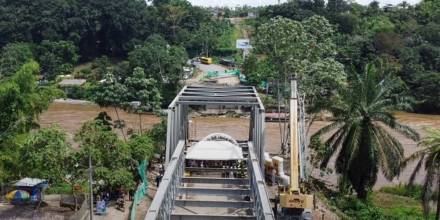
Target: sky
{"x": 233, "y": 3}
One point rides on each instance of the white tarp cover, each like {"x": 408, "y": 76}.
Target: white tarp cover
{"x": 29, "y": 182}
{"x": 214, "y": 150}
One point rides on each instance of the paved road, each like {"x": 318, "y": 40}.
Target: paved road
{"x": 202, "y": 69}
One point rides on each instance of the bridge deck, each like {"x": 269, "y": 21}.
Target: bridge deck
{"x": 206, "y": 194}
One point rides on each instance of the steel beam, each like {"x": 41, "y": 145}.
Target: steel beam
{"x": 217, "y": 103}
{"x": 189, "y": 93}
{"x": 218, "y": 90}
{"x": 214, "y": 203}
{"x": 210, "y": 217}
{"x": 213, "y": 191}
{"x": 211, "y": 180}
{"x": 215, "y": 98}
{"x": 263, "y": 207}
{"x": 205, "y": 169}
{"x": 177, "y": 97}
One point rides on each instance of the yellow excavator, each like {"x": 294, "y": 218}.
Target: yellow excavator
{"x": 293, "y": 201}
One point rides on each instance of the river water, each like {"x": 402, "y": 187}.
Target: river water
{"x": 71, "y": 115}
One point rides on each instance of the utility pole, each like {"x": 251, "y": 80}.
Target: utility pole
{"x": 91, "y": 184}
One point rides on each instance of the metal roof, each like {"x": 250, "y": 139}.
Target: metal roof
{"x": 72, "y": 82}
{"x": 29, "y": 182}
{"x": 215, "y": 95}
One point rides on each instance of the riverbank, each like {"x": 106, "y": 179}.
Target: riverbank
{"x": 71, "y": 115}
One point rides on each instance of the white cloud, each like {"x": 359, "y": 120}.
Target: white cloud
{"x": 234, "y": 3}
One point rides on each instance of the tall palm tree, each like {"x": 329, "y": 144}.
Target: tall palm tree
{"x": 430, "y": 156}
{"x": 358, "y": 134}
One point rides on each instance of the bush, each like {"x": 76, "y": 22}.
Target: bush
{"x": 225, "y": 51}
{"x": 414, "y": 191}
{"x": 60, "y": 188}
{"x": 398, "y": 207}
{"x": 358, "y": 209}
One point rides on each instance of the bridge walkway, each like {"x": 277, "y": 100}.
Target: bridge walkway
{"x": 207, "y": 194}
{"x": 212, "y": 193}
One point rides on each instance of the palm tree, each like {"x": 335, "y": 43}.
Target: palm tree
{"x": 430, "y": 155}
{"x": 359, "y": 136}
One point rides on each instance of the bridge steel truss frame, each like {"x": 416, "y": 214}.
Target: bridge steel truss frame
{"x": 177, "y": 136}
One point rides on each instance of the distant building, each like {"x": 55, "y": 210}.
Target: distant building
{"x": 71, "y": 86}
{"x": 72, "y": 82}
{"x": 252, "y": 14}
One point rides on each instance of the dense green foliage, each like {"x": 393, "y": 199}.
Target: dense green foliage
{"x": 302, "y": 50}
{"x": 381, "y": 206}
{"x": 13, "y": 56}
{"x": 22, "y": 100}
{"x": 405, "y": 36}
{"x": 44, "y": 155}
{"x": 156, "y": 37}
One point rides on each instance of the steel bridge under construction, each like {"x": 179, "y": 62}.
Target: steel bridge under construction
{"x": 207, "y": 194}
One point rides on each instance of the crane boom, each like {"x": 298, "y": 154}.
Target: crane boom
{"x": 292, "y": 201}
{"x": 294, "y": 143}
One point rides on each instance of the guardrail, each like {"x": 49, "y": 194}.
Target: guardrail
{"x": 262, "y": 207}
{"x": 163, "y": 202}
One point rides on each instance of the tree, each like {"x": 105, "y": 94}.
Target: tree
{"x": 44, "y": 155}
{"x": 22, "y": 100}
{"x": 303, "y": 50}
{"x": 428, "y": 10}
{"x": 57, "y": 58}
{"x": 101, "y": 66}
{"x": 358, "y": 133}
{"x": 144, "y": 90}
{"x": 111, "y": 157}
{"x": 161, "y": 62}
{"x": 292, "y": 46}
{"x": 158, "y": 134}
{"x": 206, "y": 37}
{"x": 257, "y": 71}
{"x": 337, "y": 6}
{"x": 13, "y": 56}
{"x": 142, "y": 147}
{"x": 112, "y": 93}
{"x": 372, "y": 25}
{"x": 431, "y": 33}
{"x": 430, "y": 157}
{"x": 175, "y": 15}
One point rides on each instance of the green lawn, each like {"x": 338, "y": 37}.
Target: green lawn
{"x": 398, "y": 207}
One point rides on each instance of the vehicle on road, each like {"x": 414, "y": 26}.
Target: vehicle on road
{"x": 206, "y": 60}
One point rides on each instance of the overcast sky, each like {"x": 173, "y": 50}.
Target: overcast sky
{"x": 233, "y": 3}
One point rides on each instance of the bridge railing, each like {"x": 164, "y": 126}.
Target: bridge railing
{"x": 163, "y": 202}
{"x": 262, "y": 207}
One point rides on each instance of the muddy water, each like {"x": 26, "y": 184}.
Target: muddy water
{"x": 70, "y": 117}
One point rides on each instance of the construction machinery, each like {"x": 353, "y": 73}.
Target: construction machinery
{"x": 294, "y": 202}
